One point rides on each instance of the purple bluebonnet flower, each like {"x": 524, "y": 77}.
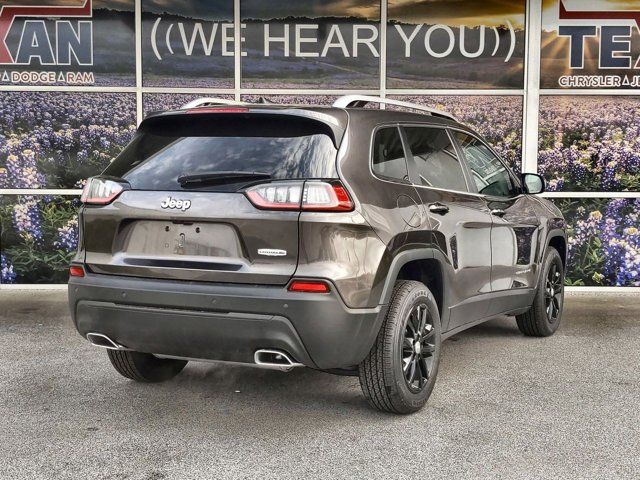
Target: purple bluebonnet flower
{"x": 26, "y": 219}
{"x": 7, "y": 275}
{"x": 67, "y": 238}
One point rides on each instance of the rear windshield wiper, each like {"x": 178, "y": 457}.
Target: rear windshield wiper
{"x": 220, "y": 178}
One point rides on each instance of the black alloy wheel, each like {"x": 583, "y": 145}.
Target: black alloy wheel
{"x": 418, "y": 348}
{"x": 553, "y": 293}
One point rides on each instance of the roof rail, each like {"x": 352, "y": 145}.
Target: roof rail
{"x": 201, "y": 102}
{"x": 354, "y": 101}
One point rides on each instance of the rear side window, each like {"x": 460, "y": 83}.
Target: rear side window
{"x": 388, "y": 155}
{"x": 434, "y": 156}
{"x": 167, "y": 148}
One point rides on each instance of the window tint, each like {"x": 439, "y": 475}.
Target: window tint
{"x": 167, "y": 148}
{"x": 490, "y": 175}
{"x": 388, "y": 155}
{"x": 435, "y": 158}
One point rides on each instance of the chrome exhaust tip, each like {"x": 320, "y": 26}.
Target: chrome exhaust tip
{"x": 101, "y": 340}
{"x": 275, "y": 359}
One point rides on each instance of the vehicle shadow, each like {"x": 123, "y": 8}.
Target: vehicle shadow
{"x": 239, "y": 392}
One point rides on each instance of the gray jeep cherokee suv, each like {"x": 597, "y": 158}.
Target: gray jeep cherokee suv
{"x": 345, "y": 239}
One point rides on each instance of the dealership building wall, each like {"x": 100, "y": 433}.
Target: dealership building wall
{"x": 553, "y": 85}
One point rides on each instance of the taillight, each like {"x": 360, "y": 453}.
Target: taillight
{"x": 310, "y": 196}
{"x": 309, "y": 286}
{"x": 76, "y": 271}
{"x": 100, "y": 191}
{"x": 326, "y": 197}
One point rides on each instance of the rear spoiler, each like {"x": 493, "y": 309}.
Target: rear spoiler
{"x": 332, "y": 125}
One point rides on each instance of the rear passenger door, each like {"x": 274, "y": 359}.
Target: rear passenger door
{"x": 516, "y": 224}
{"x": 460, "y": 221}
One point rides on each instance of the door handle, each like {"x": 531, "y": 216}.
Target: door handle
{"x": 438, "y": 208}
{"x": 498, "y": 212}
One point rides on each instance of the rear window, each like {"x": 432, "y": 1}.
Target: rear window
{"x": 166, "y": 148}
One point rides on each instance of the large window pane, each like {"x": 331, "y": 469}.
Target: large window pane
{"x": 311, "y": 43}
{"x": 56, "y": 140}
{"x": 590, "y": 143}
{"x": 38, "y": 238}
{"x": 584, "y": 45}
{"x": 87, "y": 44}
{"x": 604, "y": 241}
{"x": 462, "y": 44}
{"x": 187, "y": 44}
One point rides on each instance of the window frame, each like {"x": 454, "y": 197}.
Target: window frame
{"x": 413, "y": 169}
{"x": 516, "y": 182}
{"x": 384, "y": 178}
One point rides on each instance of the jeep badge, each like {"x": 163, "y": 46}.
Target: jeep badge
{"x": 178, "y": 204}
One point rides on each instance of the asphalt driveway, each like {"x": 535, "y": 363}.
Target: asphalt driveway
{"x": 504, "y": 406}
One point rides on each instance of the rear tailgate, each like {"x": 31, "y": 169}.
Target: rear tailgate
{"x": 160, "y": 227}
{"x": 218, "y": 239}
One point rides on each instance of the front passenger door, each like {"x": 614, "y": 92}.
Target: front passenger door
{"x": 516, "y": 224}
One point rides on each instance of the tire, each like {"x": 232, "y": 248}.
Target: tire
{"x": 543, "y": 319}
{"x": 144, "y": 367}
{"x": 383, "y": 379}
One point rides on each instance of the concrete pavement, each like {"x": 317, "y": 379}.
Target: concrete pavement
{"x": 504, "y": 406}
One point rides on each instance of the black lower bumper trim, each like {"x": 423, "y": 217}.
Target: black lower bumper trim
{"x": 227, "y": 322}
{"x": 186, "y": 333}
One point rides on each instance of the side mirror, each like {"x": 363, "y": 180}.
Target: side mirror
{"x": 533, "y": 183}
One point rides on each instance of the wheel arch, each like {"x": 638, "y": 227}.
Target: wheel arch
{"x": 557, "y": 239}
{"x": 559, "y": 242}
{"x": 425, "y": 265}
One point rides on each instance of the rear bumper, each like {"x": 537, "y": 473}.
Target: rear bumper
{"x": 227, "y": 322}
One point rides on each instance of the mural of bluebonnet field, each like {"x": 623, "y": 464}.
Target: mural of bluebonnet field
{"x": 58, "y": 139}
{"x": 604, "y": 241}
{"x": 38, "y": 236}
{"x": 53, "y": 139}
{"x": 590, "y": 143}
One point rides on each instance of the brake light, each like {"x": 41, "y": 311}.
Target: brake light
{"x": 100, "y": 191}
{"x": 326, "y": 197}
{"x": 309, "y": 286}
{"x": 306, "y": 196}
{"x": 76, "y": 271}
{"x": 218, "y": 110}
